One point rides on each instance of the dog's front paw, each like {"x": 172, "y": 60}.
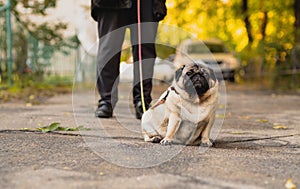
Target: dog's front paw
{"x": 166, "y": 141}
{"x": 207, "y": 143}
{"x": 155, "y": 139}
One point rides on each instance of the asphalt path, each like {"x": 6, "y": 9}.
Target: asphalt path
{"x": 257, "y": 145}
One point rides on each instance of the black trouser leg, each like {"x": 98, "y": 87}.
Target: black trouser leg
{"x": 148, "y": 34}
{"x": 110, "y": 45}
{"x": 111, "y": 35}
{"x": 147, "y": 69}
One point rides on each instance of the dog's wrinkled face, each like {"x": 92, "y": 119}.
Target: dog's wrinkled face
{"x": 194, "y": 79}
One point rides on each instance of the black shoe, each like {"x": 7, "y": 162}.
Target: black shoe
{"x": 139, "y": 109}
{"x": 104, "y": 110}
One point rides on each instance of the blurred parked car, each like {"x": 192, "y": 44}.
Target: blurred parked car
{"x": 211, "y": 52}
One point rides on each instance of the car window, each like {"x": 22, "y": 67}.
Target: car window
{"x": 205, "y": 48}
{"x": 216, "y": 48}
{"x": 197, "y": 49}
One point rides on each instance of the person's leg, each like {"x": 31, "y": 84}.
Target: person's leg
{"x": 149, "y": 30}
{"x": 148, "y": 55}
{"x": 148, "y": 35}
{"x": 111, "y": 35}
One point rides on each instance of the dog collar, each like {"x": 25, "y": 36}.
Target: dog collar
{"x": 170, "y": 89}
{"x": 173, "y": 89}
{"x": 163, "y": 100}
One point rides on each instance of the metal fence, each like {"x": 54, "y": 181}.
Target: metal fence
{"x": 3, "y": 57}
{"x": 20, "y": 52}
{"x": 6, "y": 43}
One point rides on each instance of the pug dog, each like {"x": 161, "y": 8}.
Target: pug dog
{"x": 185, "y": 112}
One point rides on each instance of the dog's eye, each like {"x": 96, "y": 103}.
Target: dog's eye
{"x": 189, "y": 73}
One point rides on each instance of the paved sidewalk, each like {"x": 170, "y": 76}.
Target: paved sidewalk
{"x": 258, "y": 146}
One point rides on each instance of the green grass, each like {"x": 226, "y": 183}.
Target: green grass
{"x": 34, "y": 90}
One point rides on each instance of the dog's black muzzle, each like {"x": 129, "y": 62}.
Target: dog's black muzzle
{"x": 196, "y": 84}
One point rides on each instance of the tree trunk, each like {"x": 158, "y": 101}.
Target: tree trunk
{"x": 264, "y": 21}
{"x": 264, "y": 25}
{"x": 296, "y": 49}
{"x": 297, "y": 21}
{"x": 246, "y": 20}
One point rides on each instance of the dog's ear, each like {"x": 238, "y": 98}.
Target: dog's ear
{"x": 178, "y": 73}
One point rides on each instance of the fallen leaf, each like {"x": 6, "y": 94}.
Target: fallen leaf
{"x": 263, "y": 120}
{"x": 67, "y": 113}
{"x": 82, "y": 128}
{"x": 31, "y": 97}
{"x": 244, "y": 117}
{"x": 289, "y": 184}
{"x": 280, "y": 127}
{"x": 273, "y": 95}
{"x": 221, "y": 116}
{"x": 56, "y": 127}
{"x": 221, "y": 106}
{"x": 28, "y": 104}
{"x": 51, "y": 127}
{"x": 237, "y": 132}
{"x": 25, "y": 129}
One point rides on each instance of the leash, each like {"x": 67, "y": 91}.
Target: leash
{"x": 163, "y": 99}
{"x": 140, "y": 54}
